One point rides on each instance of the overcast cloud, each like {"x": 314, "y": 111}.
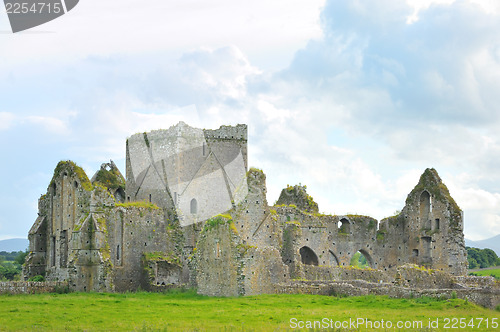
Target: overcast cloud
{"x": 352, "y": 98}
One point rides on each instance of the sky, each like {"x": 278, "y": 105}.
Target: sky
{"x": 354, "y": 99}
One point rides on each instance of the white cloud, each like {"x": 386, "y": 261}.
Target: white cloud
{"x": 489, "y": 6}
{"x": 419, "y": 5}
{"x": 6, "y": 120}
{"x": 50, "y": 124}
{"x": 280, "y": 27}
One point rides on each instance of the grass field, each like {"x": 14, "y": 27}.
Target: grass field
{"x": 488, "y": 272}
{"x": 190, "y": 312}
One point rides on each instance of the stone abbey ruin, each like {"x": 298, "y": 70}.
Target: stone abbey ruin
{"x": 190, "y": 213}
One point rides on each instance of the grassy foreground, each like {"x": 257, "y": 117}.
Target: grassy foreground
{"x": 190, "y": 312}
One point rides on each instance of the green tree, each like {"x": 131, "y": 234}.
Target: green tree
{"x": 8, "y": 271}
{"x": 21, "y": 257}
{"x": 472, "y": 263}
{"x": 490, "y": 256}
{"x": 359, "y": 260}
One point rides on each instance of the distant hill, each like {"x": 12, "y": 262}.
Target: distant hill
{"x": 14, "y": 245}
{"x": 491, "y": 243}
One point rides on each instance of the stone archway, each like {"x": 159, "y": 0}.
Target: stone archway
{"x": 307, "y": 256}
{"x": 334, "y": 261}
{"x": 369, "y": 259}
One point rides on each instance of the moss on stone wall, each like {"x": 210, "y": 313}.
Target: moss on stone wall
{"x": 220, "y": 219}
{"x": 138, "y": 204}
{"x": 146, "y": 140}
{"x": 80, "y": 222}
{"x": 72, "y": 169}
{"x": 381, "y": 235}
{"x": 297, "y": 196}
{"x": 157, "y": 256}
{"x": 431, "y": 182}
{"x": 150, "y": 259}
{"x": 111, "y": 179}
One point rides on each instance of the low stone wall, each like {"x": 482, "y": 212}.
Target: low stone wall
{"x": 341, "y": 274}
{"x": 416, "y": 277}
{"x": 31, "y": 287}
{"x": 475, "y": 281}
{"x": 489, "y": 297}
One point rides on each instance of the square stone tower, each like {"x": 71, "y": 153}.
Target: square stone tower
{"x": 198, "y": 173}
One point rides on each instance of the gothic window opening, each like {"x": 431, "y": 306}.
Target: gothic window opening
{"x": 194, "y": 206}
{"x": 425, "y": 208}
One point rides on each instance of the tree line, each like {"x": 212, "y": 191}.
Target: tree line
{"x": 481, "y": 258}
{"x": 11, "y": 264}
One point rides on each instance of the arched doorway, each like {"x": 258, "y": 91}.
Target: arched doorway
{"x": 308, "y": 257}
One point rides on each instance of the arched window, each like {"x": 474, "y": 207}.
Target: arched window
{"x": 344, "y": 226}
{"x": 194, "y": 206}
{"x": 425, "y": 208}
{"x": 308, "y": 257}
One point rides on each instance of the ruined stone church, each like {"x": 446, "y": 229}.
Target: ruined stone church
{"x": 191, "y": 213}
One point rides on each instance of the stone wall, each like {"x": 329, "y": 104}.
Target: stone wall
{"x": 31, "y": 287}
{"x": 327, "y": 273}
{"x": 427, "y": 232}
{"x": 263, "y": 270}
{"x": 418, "y": 277}
{"x": 489, "y": 298}
{"x": 218, "y": 259}
{"x": 134, "y": 231}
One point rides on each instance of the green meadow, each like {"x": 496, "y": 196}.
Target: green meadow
{"x": 187, "y": 311}
{"x": 488, "y": 272}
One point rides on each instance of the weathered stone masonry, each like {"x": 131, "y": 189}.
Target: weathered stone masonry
{"x": 189, "y": 213}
